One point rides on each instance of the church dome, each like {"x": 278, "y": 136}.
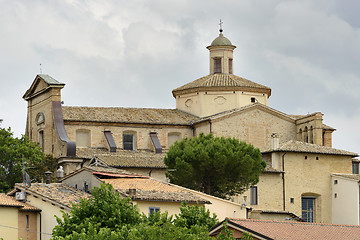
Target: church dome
{"x": 221, "y": 41}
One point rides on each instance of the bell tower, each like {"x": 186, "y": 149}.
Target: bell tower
{"x": 221, "y": 54}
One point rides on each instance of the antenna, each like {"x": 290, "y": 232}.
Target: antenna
{"x": 40, "y": 68}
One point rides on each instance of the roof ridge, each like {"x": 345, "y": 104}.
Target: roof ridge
{"x": 292, "y": 222}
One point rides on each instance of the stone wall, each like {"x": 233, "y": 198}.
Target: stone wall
{"x": 255, "y": 126}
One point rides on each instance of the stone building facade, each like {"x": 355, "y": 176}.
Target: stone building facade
{"x": 221, "y": 103}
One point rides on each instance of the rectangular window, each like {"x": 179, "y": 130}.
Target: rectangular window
{"x": 217, "y": 65}
{"x": 253, "y": 195}
{"x": 230, "y": 66}
{"x": 128, "y": 142}
{"x": 27, "y": 221}
{"x": 153, "y": 210}
{"x": 308, "y": 209}
{"x": 355, "y": 168}
{"x": 41, "y": 140}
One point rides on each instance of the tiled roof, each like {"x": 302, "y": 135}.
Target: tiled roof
{"x": 59, "y": 193}
{"x": 125, "y": 158}
{"x": 297, "y": 146}
{"x": 102, "y": 171}
{"x": 50, "y": 80}
{"x": 269, "y": 169}
{"x": 244, "y": 108}
{"x": 228, "y": 81}
{"x": 148, "y": 189}
{"x": 8, "y": 201}
{"x": 349, "y": 176}
{"x": 297, "y": 230}
{"x": 127, "y": 115}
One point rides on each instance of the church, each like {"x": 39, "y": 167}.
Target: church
{"x": 301, "y": 162}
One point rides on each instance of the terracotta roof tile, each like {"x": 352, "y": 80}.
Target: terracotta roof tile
{"x": 56, "y": 192}
{"x": 125, "y": 158}
{"x": 127, "y": 115}
{"x": 222, "y": 81}
{"x": 8, "y": 201}
{"x": 297, "y": 146}
{"x": 153, "y": 190}
{"x": 298, "y": 230}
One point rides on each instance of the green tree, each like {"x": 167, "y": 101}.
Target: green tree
{"x": 221, "y": 167}
{"x": 195, "y": 216}
{"x": 13, "y": 151}
{"x": 106, "y": 209}
{"x": 109, "y": 216}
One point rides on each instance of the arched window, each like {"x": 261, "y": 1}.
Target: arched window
{"x": 83, "y": 138}
{"x": 173, "y": 137}
{"x": 306, "y": 137}
{"x": 300, "y": 136}
{"x": 311, "y": 135}
{"x": 217, "y": 65}
{"x": 129, "y": 140}
{"x": 230, "y": 66}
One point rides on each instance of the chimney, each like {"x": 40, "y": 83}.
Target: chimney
{"x": 274, "y": 141}
{"x": 48, "y": 177}
{"x": 60, "y": 173}
{"x": 132, "y": 192}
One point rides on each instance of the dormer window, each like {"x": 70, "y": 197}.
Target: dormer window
{"x": 217, "y": 65}
{"x": 128, "y": 141}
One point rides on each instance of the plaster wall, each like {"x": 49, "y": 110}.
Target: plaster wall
{"x": 208, "y": 103}
{"x": 312, "y": 177}
{"x": 345, "y": 201}
{"x": 269, "y": 190}
{"x": 171, "y": 207}
{"x": 48, "y": 221}
{"x": 8, "y": 217}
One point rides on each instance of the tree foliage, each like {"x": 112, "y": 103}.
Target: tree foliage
{"x": 221, "y": 167}
{"x": 109, "y": 216}
{"x": 13, "y": 151}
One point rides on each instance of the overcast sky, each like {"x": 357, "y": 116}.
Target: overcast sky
{"x": 133, "y": 53}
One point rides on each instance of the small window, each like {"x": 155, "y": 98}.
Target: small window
{"x": 355, "y": 168}
{"x": 253, "y": 195}
{"x": 128, "y": 141}
{"x": 27, "y": 221}
{"x": 253, "y": 99}
{"x": 317, "y": 158}
{"x": 305, "y": 157}
{"x": 217, "y": 65}
{"x": 335, "y": 195}
{"x": 230, "y": 66}
{"x": 153, "y": 210}
{"x": 291, "y": 200}
{"x": 335, "y": 181}
{"x": 41, "y": 139}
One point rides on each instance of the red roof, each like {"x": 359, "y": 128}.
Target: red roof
{"x": 293, "y": 230}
